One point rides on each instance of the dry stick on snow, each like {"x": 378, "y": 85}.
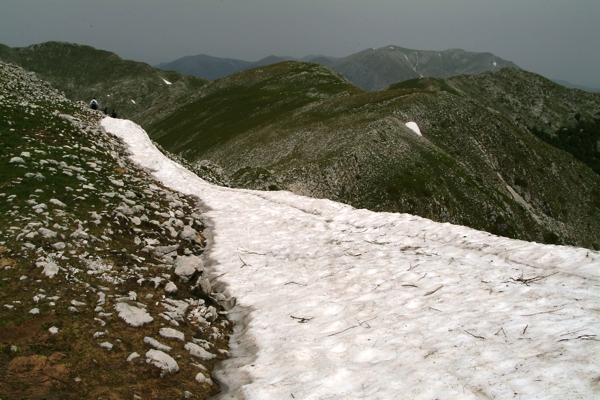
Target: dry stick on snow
{"x": 243, "y": 262}
{"x": 433, "y": 291}
{"x": 302, "y": 320}
{"x": 354, "y": 326}
{"x": 410, "y": 285}
{"x": 500, "y": 330}
{"x": 422, "y": 277}
{"x": 583, "y": 337}
{"x": 525, "y": 330}
{"x": 475, "y": 336}
{"x": 294, "y": 283}
{"x": 542, "y": 312}
{"x": 527, "y": 281}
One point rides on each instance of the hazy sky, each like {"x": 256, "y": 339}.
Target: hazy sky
{"x": 559, "y": 39}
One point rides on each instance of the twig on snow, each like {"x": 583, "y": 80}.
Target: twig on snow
{"x": 243, "y": 262}
{"x": 433, "y": 291}
{"x": 475, "y": 336}
{"x": 294, "y": 283}
{"x": 302, "y": 320}
{"x": 500, "y": 330}
{"x": 525, "y": 330}
{"x": 527, "y": 281}
{"x": 354, "y": 326}
{"x": 542, "y": 312}
{"x": 582, "y": 337}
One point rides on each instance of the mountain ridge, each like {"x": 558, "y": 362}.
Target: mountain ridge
{"x": 370, "y": 69}
{"x": 305, "y": 128}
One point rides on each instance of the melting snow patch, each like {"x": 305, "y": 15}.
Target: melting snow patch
{"x": 378, "y": 304}
{"x": 167, "y": 82}
{"x": 414, "y": 127}
{"x": 133, "y": 101}
{"x": 132, "y": 315}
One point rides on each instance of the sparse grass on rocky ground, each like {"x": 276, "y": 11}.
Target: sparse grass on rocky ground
{"x": 103, "y": 293}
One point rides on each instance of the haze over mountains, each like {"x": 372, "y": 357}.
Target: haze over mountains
{"x": 371, "y": 69}
{"x": 482, "y": 161}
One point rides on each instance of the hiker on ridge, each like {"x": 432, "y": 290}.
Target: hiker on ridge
{"x": 114, "y": 114}
{"x": 94, "y": 104}
{"x": 105, "y": 110}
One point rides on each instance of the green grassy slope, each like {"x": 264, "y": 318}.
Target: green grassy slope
{"x": 70, "y": 198}
{"x": 296, "y": 126}
{"x": 82, "y": 72}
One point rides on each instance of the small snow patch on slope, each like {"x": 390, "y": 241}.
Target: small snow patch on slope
{"x": 167, "y": 82}
{"x": 414, "y": 127}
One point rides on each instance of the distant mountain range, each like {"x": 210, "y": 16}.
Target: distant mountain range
{"x": 505, "y": 151}
{"x": 371, "y": 69}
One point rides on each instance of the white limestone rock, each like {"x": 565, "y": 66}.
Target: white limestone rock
{"x": 186, "y": 267}
{"x": 171, "y": 333}
{"x": 163, "y": 361}
{"x": 170, "y": 287}
{"x": 106, "y": 345}
{"x": 132, "y": 315}
{"x": 16, "y": 160}
{"x": 202, "y": 379}
{"x": 50, "y": 267}
{"x": 198, "y": 352}
{"x": 57, "y": 202}
{"x": 156, "y": 344}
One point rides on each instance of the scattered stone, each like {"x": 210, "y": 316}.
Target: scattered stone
{"x": 16, "y": 160}
{"x": 198, "y": 352}
{"x": 57, "y": 202}
{"x": 47, "y": 233}
{"x": 156, "y": 344}
{"x": 163, "y": 361}
{"x": 200, "y": 378}
{"x": 106, "y": 345}
{"x": 170, "y": 288}
{"x": 170, "y": 333}
{"x": 50, "y": 267}
{"x": 59, "y": 246}
{"x": 132, "y": 315}
{"x": 186, "y": 267}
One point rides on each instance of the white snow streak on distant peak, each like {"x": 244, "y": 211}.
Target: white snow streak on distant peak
{"x": 414, "y": 127}
{"x": 166, "y": 81}
{"x": 335, "y": 302}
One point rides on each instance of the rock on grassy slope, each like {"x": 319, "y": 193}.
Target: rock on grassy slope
{"x": 103, "y": 292}
{"x": 301, "y": 127}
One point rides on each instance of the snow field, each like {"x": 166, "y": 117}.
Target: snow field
{"x": 334, "y": 302}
